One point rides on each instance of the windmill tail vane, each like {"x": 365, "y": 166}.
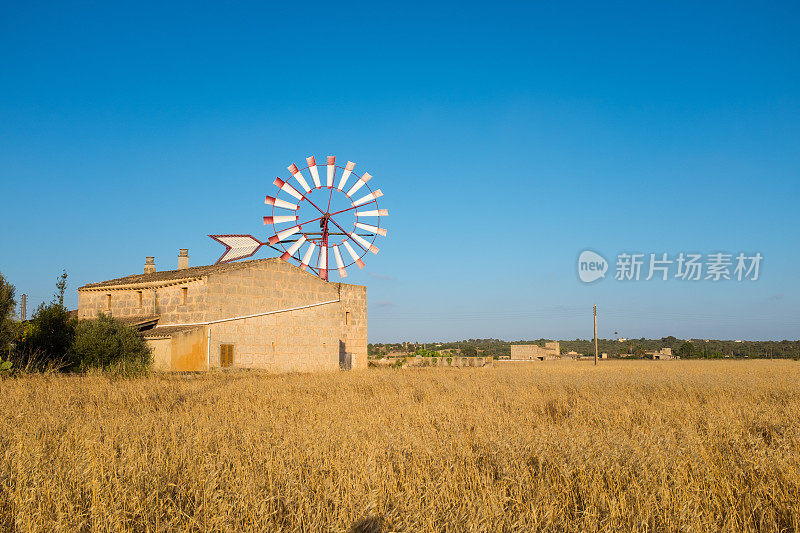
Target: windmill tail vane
{"x": 316, "y": 241}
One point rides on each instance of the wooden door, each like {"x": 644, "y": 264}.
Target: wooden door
{"x": 226, "y": 355}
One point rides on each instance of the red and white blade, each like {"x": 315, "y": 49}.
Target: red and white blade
{"x": 345, "y": 175}
{"x": 322, "y": 261}
{"x": 299, "y": 177}
{"x": 364, "y": 244}
{"x": 358, "y": 184}
{"x": 281, "y": 235}
{"x": 331, "y": 171}
{"x": 339, "y": 263}
{"x": 353, "y": 254}
{"x": 237, "y": 246}
{"x": 312, "y": 167}
{"x": 371, "y": 197}
{"x": 373, "y": 213}
{"x": 307, "y": 256}
{"x": 277, "y": 202}
{"x": 370, "y": 228}
{"x": 280, "y": 219}
{"x": 293, "y": 248}
{"x": 285, "y": 187}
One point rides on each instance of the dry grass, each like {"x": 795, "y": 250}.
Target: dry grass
{"x": 691, "y": 446}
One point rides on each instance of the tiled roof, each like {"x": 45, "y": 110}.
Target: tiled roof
{"x": 165, "y": 331}
{"x": 138, "y": 320}
{"x": 177, "y": 275}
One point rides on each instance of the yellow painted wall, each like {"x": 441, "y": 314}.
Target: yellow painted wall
{"x": 189, "y": 349}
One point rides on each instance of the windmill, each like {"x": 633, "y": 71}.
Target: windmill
{"x": 339, "y": 224}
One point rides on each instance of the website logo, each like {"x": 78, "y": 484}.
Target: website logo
{"x": 591, "y": 266}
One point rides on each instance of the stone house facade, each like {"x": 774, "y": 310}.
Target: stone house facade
{"x": 532, "y": 352}
{"x": 263, "y": 313}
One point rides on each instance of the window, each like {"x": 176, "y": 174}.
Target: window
{"x": 347, "y": 318}
{"x": 139, "y": 295}
{"x": 184, "y": 294}
{"x": 226, "y": 355}
{"x": 108, "y": 301}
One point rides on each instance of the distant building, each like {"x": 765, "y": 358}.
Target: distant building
{"x": 263, "y": 313}
{"x": 663, "y": 353}
{"x": 532, "y": 352}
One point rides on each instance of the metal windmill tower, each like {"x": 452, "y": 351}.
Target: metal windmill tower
{"x": 334, "y": 219}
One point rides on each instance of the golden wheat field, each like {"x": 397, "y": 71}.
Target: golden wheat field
{"x": 565, "y": 446}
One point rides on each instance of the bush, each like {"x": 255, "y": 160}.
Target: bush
{"x": 46, "y": 340}
{"x": 107, "y": 344}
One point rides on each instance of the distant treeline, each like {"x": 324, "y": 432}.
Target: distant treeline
{"x": 693, "y": 348}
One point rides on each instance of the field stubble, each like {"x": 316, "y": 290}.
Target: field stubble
{"x": 678, "y": 445}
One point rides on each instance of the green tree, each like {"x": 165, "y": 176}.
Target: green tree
{"x": 46, "y": 340}
{"x": 7, "y": 305}
{"x": 107, "y": 344}
{"x": 469, "y": 351}
{"x": 61, "y": 287}
{"x": 686, "y": 350}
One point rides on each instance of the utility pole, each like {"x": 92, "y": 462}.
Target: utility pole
{"x": 23, "y": 313}
{"x": 595, "y": 335}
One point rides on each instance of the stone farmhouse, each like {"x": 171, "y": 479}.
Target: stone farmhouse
{"x": 263, "y": 313}
{"x": 532, "y": 352}
{"x": 663, "y": 354}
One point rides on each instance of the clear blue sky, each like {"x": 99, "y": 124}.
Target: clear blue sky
{"x": 507, "y": 137}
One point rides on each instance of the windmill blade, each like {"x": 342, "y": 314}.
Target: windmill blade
{"x": 353, "y": 254}
{"x": 331, "y": 171}
{"x": 370, "y": 228}
{"x": 347, "y": 170}
{"x": 285, "y": 187}
{"x": 283, "y": 234}
{"x": 277, "y": 202}
{"x": 293, "y": 248}
{"x": 299, "y": 177}
{"x": 237, "y": 246}
{"x": 375, "y": 213}
{"x": 280, "y": 219}
{"x": 307, "y": 257}
{"x": 364, "y": 244}
{"x": 358, "y": 184}
{"x": 368, "y": 198}
{"x": 322, "y": 262}
{"x": 339, "y": 263}
{"x": 312, "y": 167}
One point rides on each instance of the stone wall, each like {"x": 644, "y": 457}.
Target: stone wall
{"x": 533, "y": 352}
{"x": 449, "y": 361}
{"x": 162, "y": 354}
{"x": 166, "y": 300}
{"x": 312, "y": 338}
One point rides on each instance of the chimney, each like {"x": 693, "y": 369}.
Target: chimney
{"x": 183, "y": 258}
{"x": 149, "y": 265}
